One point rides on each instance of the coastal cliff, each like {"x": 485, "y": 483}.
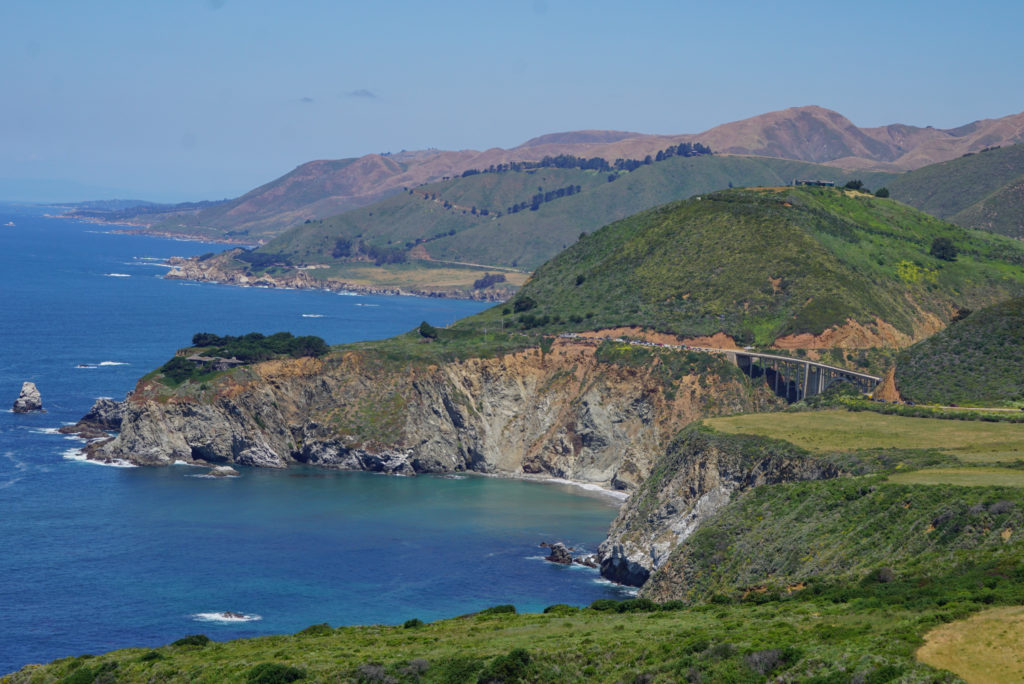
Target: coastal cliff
{"x": 567, "y": 412}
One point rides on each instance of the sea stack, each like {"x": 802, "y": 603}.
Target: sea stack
{"x": 29, "y": 400}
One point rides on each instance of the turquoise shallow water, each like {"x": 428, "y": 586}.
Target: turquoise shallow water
{"x": 94, "y": 558}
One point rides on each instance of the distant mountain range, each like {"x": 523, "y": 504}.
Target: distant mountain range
{"x": 325, "y": 188}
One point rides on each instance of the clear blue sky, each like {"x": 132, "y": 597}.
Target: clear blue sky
{"x": 203, "y": 99}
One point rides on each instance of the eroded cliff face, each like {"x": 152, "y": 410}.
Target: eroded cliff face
{"x": 562, "y": 413}
{"x": 698, "y": 474}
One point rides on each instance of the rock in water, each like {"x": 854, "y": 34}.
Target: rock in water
{"x": 223, "y": 471}
{"x": 29, "y": 400}
{"x": 559, "y": 554}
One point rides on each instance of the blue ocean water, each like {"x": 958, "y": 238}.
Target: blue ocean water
{"x": 94, "y": 558}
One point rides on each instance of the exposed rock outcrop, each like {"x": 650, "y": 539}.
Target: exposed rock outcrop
{"x": 29, "y": 400}
{"x": 698, "y": 474}
{"x": 562, "y": 413}
{"x": 105, "y": 416}
{"x": 559, "y": 554}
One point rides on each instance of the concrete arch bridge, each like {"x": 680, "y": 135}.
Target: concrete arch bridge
{"x": 796, "y": 379}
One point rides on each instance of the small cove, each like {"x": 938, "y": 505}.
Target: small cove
{"x": 97, "y": 558}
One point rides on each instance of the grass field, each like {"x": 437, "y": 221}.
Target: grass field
{"x": 970, "y": 441}
{"x": 988, "y": 647}
{"x": 736, "y": 643}
{"x": 965, "y": 477}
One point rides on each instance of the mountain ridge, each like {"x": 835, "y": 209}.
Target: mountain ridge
{"x": 808, "y": 133}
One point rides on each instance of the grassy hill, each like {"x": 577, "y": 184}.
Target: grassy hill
{"x": 760, "y": 264}
{"x": 977, "y": 361}
{"x": 490, "y": 220}
{"x": 983, "y": 190}
{"x": 527, "y": 238}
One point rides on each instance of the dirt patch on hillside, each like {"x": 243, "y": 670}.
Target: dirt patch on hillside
{"x": 716, "y": 341}
{"x": 852, "y": 335}
{"x": 887, "y": 390}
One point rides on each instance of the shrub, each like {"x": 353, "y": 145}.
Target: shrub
{"x": 192, "y": 640}
{"x": 512, "y": 667}
{"x": 322, "y": 629}
{"x": 498, "y": 610}
{"x": 636, "y": 605}
{"x": 604, "y": 604}
{"x": 943, "y": 248}
{"x": 274, "y": 673}
{"x": 428, "y": 331}
{"x": 561, "y": 609}
{"x": 882, "y": 192}
{"x": 413, "y": 623}
{"x": 523, "y": 303}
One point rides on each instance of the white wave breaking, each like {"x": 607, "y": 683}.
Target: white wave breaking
{"x": 118, "y": 275}
{"x": 46, "y": 431}
{"x": 79, "y": 455}
{"x": 225, "y": 616}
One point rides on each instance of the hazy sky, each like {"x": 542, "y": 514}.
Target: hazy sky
{"x": 204, "y": 99}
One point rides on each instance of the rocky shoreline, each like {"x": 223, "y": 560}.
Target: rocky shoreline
{"x": 560, "y": 415}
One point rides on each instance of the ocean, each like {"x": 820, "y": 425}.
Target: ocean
{"x": 94, "y": 558}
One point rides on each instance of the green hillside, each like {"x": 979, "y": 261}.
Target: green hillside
{"x": 977, "y": 361}
{"x": 983, "y": 190}
{"x": 780, "y": 536}
{"x": 759, "y": 264}
{"x": 526, "y": 238}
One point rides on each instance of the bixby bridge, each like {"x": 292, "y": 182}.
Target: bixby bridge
{"x": 791, "y": 378}
{"x": 794, "y": 378}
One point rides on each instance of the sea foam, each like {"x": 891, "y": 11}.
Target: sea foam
{"x": 225, "y": 616}
{"x": 79, "y": 455}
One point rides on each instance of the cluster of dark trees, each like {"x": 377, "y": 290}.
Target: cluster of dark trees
{"x": 859, "y": 185}
{"x": 258, "y": 347}
{"x": 344, "y": 248}
{"x": 488, "y": 280}
{"x": 568, "y": 161}
{"x": 541, "y": 197}
{"x": 682, "y": 150}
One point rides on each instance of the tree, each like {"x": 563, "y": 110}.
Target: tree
{"x": 854, "y": 185}
{"x": 523, "y": 303}
{"x": 882, "y": 192}
{"x": 428, "y": 331}
{"x": 943, "y": 248}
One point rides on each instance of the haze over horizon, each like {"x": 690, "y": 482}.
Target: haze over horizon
{"x": 207, "y": 99}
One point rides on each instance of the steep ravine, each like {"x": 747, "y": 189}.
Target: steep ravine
{"x": 696, "y": 476}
